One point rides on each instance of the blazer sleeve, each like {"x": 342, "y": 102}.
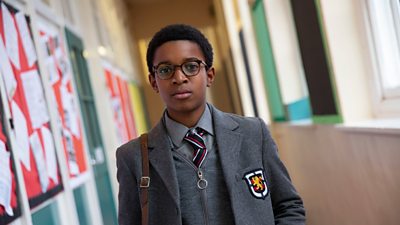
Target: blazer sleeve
{"x": 287, "y": 204}
{"x": 129, "y": 212}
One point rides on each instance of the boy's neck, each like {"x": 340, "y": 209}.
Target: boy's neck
{"x": 189, "y": 119}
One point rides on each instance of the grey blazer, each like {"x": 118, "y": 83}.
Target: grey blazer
{"x": 245, "y": 146}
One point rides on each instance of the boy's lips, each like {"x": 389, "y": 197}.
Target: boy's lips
{"x": 182, "y": 94}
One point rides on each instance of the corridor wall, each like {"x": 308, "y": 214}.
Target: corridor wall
{"x": 49, "y": 167}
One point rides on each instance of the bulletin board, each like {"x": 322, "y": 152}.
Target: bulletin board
{"x": 60, "y": 78}
{"x": 31, "y": 123}
{"x": 118, "y": 91}
{"x": 9, "y": 202}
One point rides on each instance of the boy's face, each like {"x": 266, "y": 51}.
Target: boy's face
{"x": 182, "y": 94}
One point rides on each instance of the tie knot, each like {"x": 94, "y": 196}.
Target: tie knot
{"x": 196, "y": 131}
{"x": 195, "y": 139}
{"x": 195, "y": 136}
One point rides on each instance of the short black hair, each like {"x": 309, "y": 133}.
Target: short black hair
{"x": 177, "y": 32}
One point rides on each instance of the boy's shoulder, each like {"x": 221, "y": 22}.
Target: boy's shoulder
{"x": 133, "y": 146}
{"x": 242, "y": 121}
{"x": 129, "y": 148}
{"x": 236, "y": 117}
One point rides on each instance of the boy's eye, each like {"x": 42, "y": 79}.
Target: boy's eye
{"x": 191, "y": 66}
{"x": 164, "y": 69}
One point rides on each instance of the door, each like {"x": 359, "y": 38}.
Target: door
{"x": 92, "y": 129}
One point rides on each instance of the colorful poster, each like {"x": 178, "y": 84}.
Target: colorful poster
{"x": 9, "y": 204}
{"x": 121, "y": 103}
{"x": 25, "y": 96}
{"x": 60, "y": 75}
{"x": 126, "y": 104}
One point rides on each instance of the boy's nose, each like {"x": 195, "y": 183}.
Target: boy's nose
{"x": 179, "y": 76}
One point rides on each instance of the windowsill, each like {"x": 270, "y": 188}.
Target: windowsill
{"x": 380, "y": 126}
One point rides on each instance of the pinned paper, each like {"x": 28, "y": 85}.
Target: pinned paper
{"x": 70, "y": 116}
{"x": 54, "y": 76}
{"x": 59, "y": 53}
{"x": 66, "y": 77}
{"x": 40, "y": 160}
{"x": 21, "y": 135}
{"x": 73, "y": 165}
{"x": 7, "y": 72}
{"x": 117, "y": 109}
{"x": 115, "y": 85}
{"x": 64, "y": 66}
{"x": 62, "y": 60}
{"x": 51, "y": 161}
{"x": 26, "y": 38}
{"x": 11, "y": 36}
{"x": 35, "y": 98}
{"x": 5, "y": 180}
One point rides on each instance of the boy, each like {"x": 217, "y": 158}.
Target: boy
{"x": 206, "y": 166}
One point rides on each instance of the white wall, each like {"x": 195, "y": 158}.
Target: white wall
{"x": 348, "y": 48}
{"x": 286, "y": 50}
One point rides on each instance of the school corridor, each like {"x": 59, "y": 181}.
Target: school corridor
{"x": 323, "y": 74}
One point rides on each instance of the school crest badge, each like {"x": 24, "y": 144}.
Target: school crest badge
{"x": 255, "y": 180}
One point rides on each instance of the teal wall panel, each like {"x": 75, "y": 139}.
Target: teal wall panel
{"x": 267, "y": 61}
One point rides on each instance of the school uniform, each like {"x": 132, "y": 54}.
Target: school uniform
{"x": 247, "y": 184}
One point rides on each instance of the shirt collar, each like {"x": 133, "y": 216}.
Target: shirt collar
{"x": 177, "y": 131}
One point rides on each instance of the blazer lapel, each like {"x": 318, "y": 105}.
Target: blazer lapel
{"x": 229, "y": 144}
{"x": 160, "y": 157}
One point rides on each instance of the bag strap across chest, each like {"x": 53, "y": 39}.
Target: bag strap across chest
{"x": 144, "y": 180}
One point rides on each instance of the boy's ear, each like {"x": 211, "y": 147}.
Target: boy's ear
{"x": 210, "y": 76}
{"x": 153, "y": 83}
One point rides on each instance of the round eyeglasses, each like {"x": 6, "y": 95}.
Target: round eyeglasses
{"x": 190, "y": 68}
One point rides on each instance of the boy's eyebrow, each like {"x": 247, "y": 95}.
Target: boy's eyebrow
{"x": 163, "y": 62}
{"x": 184, "y": 60}
{"x": 192, "y": 58}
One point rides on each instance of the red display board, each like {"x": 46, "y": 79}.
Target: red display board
{"x": 121, "y": 103}
{"x": 9, "y": 204}
{"x": 60, "y": 77}
{"x": 31, "y": 127}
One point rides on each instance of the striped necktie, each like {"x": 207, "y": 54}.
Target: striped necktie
{"x": 195, "y": 138}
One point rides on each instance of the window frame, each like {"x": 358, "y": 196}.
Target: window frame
{"x": 386, "y": 102}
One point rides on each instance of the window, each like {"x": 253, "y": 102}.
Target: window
{"x": 384, "y": 26}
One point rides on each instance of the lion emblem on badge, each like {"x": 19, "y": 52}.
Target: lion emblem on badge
{"x": 255, "y": 180}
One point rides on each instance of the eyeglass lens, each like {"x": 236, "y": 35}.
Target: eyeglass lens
{"x": 190, "y": 68}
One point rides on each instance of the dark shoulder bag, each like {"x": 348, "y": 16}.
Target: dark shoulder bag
{"x": 144, "y": 180}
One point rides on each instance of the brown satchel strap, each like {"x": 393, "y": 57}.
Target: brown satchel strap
{"x": 144, "y": 180}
